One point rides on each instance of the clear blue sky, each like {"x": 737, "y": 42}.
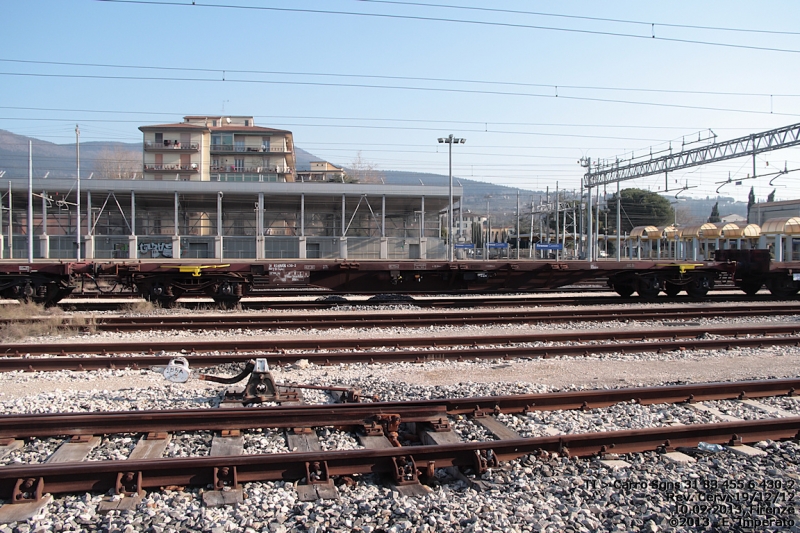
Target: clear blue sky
{"x": 326, "y": 76}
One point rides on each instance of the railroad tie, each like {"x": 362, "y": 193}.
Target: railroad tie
{"x": 150, "y": 446}
{"x": 497, "y": 428}
{"x": 73, "y": 450}
{"x": 228, "y": 443}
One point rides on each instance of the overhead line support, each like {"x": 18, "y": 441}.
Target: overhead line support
{"x": 751, "y": 145}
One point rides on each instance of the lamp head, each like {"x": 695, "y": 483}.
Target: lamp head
{"x": 441, "y": 140}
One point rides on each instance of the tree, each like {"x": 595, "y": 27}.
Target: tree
{"x": 477, "y": 234}
{"x": 116, "y": 163}
{"x": 751, "y": 201}
{"x": 362, "y": 171}
{"x": 771, "y": 197}
{"x": 640, "y": 208}
{"x": 714, "y": 214}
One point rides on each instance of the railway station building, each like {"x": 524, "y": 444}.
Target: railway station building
{"x": 220, "y": 188}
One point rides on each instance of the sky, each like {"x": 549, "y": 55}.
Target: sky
{"x": 533, "y": 86}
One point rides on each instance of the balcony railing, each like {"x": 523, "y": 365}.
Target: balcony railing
{"x": 246, "y": 176}
{"x": 178, "y": 168}
{"x": 171, "y": 145}
{"x": 245, "y": 148}
{"x": 251, "y": 170}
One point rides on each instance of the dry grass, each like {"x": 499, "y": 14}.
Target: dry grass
{"x": 30, "y": 320}
{"x": 141, "y": 307}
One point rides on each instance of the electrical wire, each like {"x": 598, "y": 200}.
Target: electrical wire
{"x": 456, "y": 21}
{"x": 399, "y": 87}
{"x": 582, "y": 17}
{"x": 223, "y": 71}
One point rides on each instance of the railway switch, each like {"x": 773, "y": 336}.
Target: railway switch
{"x": 260, "y": 387}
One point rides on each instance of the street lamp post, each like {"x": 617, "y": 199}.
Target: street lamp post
{"x": 450, "y": 140}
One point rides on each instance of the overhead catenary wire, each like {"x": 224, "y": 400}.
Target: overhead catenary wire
{"x": 455, "y": 21}
{"x": 401, "y": 87}
{"x": 220, "y": 71}
{"x": 582, "y": 17}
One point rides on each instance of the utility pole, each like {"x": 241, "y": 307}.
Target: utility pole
{"x": 531, "y": 255}
{"x": 78, "y": 202}
{"x": 587, "y": 163}
{"x": 10, "y": 225}
{"x": 518, "y": 236}
{"x": 557, "y": 227}
{"x": 451, "y": 140}
{"x": 30, "y": 201}
{"x": 619, "y": 225}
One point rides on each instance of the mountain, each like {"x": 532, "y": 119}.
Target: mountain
{"x": 57, "y": 159}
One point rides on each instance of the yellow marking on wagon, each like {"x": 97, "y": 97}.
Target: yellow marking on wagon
{"x": 194, "y": 269}
{"x": 681, "y": 267}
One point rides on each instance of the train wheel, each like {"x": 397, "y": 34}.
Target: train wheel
{"x": 648, "y": 288}
{"x": 623, "y": 289}
{"x": 46, "y": 294}
{"x": 699, "y": 286}
{"x": 782, "y": 287}
{"x": 750, "y": 288}
{"x": 160, "y": 293}
{"x": 672, "y": 289}
{"x": 227, "y": 295}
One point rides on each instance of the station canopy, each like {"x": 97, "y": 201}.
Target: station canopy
{"x": 645, "y": 232}
{"x": 704, "y": 231}
{"x": 781, "y": 226}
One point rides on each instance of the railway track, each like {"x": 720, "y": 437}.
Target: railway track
{"x": 406, "y": 466}
{"x": 410, "y": 320}
{"x": 444, "y": 302}
{"x": 325, "y": 351}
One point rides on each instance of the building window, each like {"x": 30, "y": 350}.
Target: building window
{"x": 239, "y": 163}
{"x": 159, "y": 138}
{"x": 246, "y": 122}
{"x": 265, "y": 144}
{"x": 214, "y": 123}
{"x": 222, "y": 141}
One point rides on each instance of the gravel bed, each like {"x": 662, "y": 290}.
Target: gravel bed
{"x": 742, "y": 411}
{"x": 614, "y": 418}
{"x": 550, "y": 494}
{"x": 337, "y": 440}
{"x": 257, "y": 441}
{"x": 787, "y": 403}
{"x": 189, "y": 444}
{"x": 115, "y": 447}
{"x": 469, "y": 431}
{"x": 165, "y": 396}
{"x": 530, "y": 494}
{"x": 444, "y": 331}
{"x": 34, "y": 451}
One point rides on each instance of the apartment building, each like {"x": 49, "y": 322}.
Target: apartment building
{"x": 217, "y": 148}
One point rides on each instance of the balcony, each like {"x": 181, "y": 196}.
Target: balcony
{"x": 252, "y": 170}
{"x": 174, "y": 168}
{"x": 266, "y": 177}
{"x": 151, "y": 146}
{"x": 247, "y": 148}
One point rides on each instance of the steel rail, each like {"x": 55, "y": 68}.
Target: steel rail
{"x": 360, "y": 414}
{"x": 373, "y": 319}
{"x": 432, "y": 347}
{"x": 255, "y": 303}
{"x": 79, "y": 364}
{"x": 103, "y": 475}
